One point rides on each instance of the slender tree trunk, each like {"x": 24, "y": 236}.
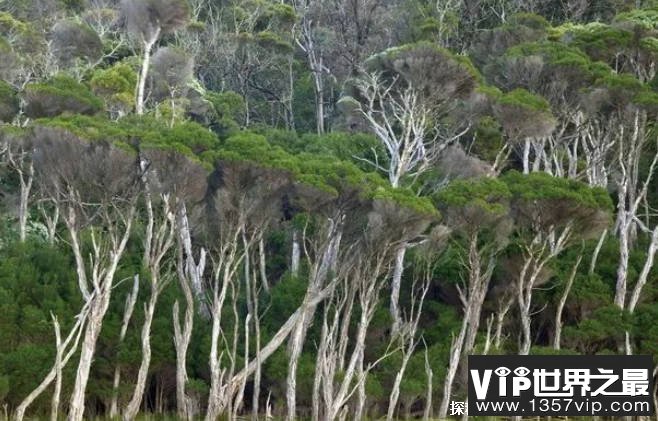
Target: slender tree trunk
{"x": 98, "y": 305}
{"x": 622, "y": 268}
{"x": 644, "y": 274}
{"x": 427, "y": 413}
{"x": 396, "y": 283}
{"x": 138, "y": 393}
{"x": 563, "y": 301}
{"x": 97, "y": 313}
{"x": 23, "y": 209}
{"x": 131, "y": 299}
{"x": 500, "y": 320}
{"x": 597, "y": 251}
{"x": 58, "y": 370}
{"x": 73, "y": 336}
{"x": 526, "y": 156}
{"x": 296, "y": 254}
{"x": 146, "y": 61}
{"x": 455, "y": 358}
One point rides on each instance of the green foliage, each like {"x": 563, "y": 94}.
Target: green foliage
{"x": 116, "y": 85}
{"x": 118, "y": 79}
{"x": 521, "y": 98}
{"x": 530, "y": 20}
{"x": 542, "y": 202}
{"x": 229, "y": 108}
{"x": 487, "y": 194}
{"x": 540, "y": 186}
{"x": 602, "y": 330}
{"x": 188, "y": 138}
{"x": 59, "y": 95}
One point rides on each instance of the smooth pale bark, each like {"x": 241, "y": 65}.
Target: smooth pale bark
{"x": 296, "y": 254}
{"x": 644, "y": 274}
{"x": 453, "y": 363}
{"x": 72, "y": 340}
{"x": 315, "y": 59}
{"x": 563, "y": 300}
{"x": 541, "y": 250}
{"x": 54, "y": 409}
{"x": 24, "y": 168}
{"x": 131, "y": 299}
{"x": 597, "y": 251}
{"x": 427, "y": 412}
{"x": 409, "y": 343}
{"x": 220, "y": 396}
{"x": 138, "y": 393}
{"x": 190, "y": 273}
{"x": 102, "y": 281}
{"x": 159, "y": 244}
{"x": 319, "y": 274}
{"x": 51, "y": 221}
{"x": 396, "y": 284}
{"x": 147, "y": 45}
{"x": 503, "y": 309}
{"x": 472, "y": 299}
{"x": 526, "y": 156}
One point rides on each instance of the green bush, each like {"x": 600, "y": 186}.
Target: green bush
{"x": 60, "y": 95}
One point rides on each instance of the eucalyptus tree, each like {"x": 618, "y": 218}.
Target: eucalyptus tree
{"x": 16, "y": 149}
{"x": 170, "y": 79}
{"x": 96, "y": 187}
{"x": 478, "y": 212}
{"x": 526, "y": 119}
{"x": 557, "y": 74}
{"x": 407, "y": 101}
{"x": 149, "y": 20}
{"x": 549, "y": 214}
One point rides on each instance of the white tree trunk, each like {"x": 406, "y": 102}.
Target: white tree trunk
{"x": 74, "y": 337}
{"x": 131, "y": 299}
{"x": 58, "y": 370}
{"x": 130, "y": 413}
{"x": 146, "y": 61}
{"x": 396, "y": 283}
{"x": 563, "y": 301}
{"x": 296, "y": 254}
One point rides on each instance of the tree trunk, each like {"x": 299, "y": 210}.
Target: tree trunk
{"x": 597, "y": 251}
{"x": 563, "y": 301}
{"x": 396, "y": 282}
{"x": 98, "y": 308}
{"x": 74, "y": 335}
{"x": 455, "y": 358}
{"x": 58, "y": 370}
{"x": 133, "y": 406}
{"x": 295, "y": 258}
{"x": 131, "y": 299}
{"x": 146, "y": 60}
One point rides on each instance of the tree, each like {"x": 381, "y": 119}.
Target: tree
{"x": 170, "y": 78}
{"x": 526, "y": 118}
{"x": 478, "y": 210}
{"x": 549, "y": 213}
{"x": 100, "y": 189}
{"x": 407, "y": 103}
{"x": 148, "y": 20}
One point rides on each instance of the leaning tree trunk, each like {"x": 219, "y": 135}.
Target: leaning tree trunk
{"x": 131, "y": 299}
{"x": 97, "y": 312}
{"x": 60, "y": 362}
{"x": 146, "y": 60}
{"x": 563, "y": 300}
{"x": 133, "y": 406}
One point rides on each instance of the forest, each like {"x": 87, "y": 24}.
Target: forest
{"x": 317, "y": 209}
